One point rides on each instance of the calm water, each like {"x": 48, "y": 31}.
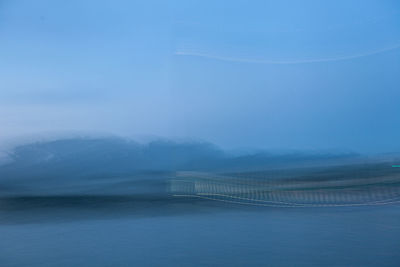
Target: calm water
{"x": 218, "y": 236}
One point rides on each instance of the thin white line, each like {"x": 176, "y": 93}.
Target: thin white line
{"x": 288, "y": 206}
{"x": 249, "y": 199}
{"x": 283, "y": 62}
{"x": 292, "y": 203}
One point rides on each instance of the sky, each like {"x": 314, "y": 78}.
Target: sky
{"x": 240, "y": 74}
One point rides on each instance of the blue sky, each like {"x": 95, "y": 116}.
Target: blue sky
{"x": 260, "y": 74}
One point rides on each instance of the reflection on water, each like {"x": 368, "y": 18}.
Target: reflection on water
{"x": 336, "y": 216}
{"x": 306, "y": 191}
